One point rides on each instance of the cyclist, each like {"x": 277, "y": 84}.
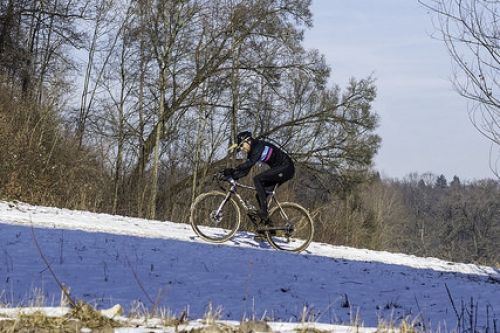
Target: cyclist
{"x": 281, "y": 168}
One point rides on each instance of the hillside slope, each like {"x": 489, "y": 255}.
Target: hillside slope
{"x": 137, "y": 263}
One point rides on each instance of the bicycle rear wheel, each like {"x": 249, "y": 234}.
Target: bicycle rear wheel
{"x": 214, "y": 219}
{"x": 292, "y": 228}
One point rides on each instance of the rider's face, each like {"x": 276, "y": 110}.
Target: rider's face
{"x": 245, "y": 146}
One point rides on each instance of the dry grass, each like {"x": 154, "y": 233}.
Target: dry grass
{"x": 82, "y": 318}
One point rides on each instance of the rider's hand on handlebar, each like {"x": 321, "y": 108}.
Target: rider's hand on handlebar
{"x": 220, "y": 176}
{"x": 228, "y": 172}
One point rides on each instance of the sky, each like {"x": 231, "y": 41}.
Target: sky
{"x": 425, "y": 125}
{"x": 109, "y": 260}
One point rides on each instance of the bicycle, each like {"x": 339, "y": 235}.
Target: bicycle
{"x": 215, "y": 217}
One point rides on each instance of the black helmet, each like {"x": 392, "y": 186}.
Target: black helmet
{"x": 244, "y": 136}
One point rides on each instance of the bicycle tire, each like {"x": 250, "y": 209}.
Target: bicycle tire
{"x": 215, "y": 229}
{"x": 295, "y": 240}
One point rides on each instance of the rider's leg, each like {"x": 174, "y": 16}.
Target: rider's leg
{"x": 259, "y": 181}
{"x": 268, "y": 179}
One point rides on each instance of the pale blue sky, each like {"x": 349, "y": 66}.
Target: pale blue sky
{"x": 424, "y": 122}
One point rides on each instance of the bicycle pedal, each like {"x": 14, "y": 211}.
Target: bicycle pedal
{"x": 260, "y": 214}
{"x": 253, "y": 220}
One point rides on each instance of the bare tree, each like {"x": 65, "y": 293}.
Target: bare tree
{"x": 196, "y": 47}
{"x": 469, "y": 29}
{"x": 193, "y": 73}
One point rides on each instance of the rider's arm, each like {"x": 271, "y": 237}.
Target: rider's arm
{"x": 243, "y": 169}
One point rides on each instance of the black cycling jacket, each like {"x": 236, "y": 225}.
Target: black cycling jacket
{"x": 265, "y": 152}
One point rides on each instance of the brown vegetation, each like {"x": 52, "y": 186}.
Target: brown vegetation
{"x": 40, "y": 163}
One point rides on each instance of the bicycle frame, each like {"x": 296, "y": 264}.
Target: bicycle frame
{"x": 233, "y": 191}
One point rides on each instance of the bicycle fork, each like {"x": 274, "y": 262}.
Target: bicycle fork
{"x": 216, "y": 216}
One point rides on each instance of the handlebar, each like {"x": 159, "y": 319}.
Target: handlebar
{"x": 219, "y": 176}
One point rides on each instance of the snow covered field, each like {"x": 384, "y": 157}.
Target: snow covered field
{"x": 106, "y": 260}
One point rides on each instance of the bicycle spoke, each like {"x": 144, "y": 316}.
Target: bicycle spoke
{"x": 293, "y": 228}
{"x": 212, "y": 220}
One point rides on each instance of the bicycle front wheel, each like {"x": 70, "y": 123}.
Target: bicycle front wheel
{"x": 215, "y": 218}
{"x": 291, "y": 229}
